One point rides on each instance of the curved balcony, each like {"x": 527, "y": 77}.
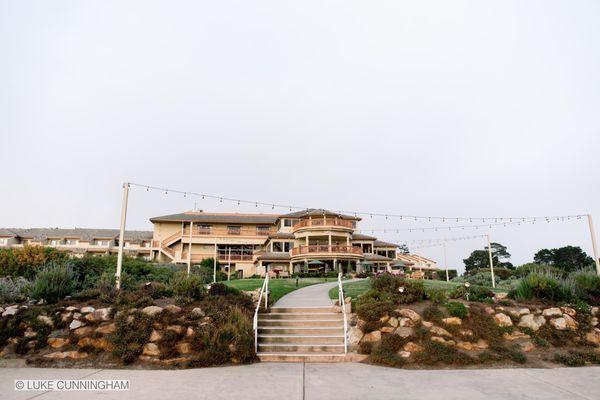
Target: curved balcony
{"x": 325, "y": 250}
{"x": 324, "y": 224}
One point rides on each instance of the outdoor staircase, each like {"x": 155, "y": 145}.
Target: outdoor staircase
{"x": 297, "y": 334}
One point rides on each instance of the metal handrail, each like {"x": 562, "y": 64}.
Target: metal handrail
{"x": 342, "y": 303}
{"x": 263, "y": 290}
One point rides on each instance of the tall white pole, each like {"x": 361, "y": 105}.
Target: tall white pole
{"x": 122, "y": 234}
{"x": 215, "y": 265}
{"x": 491, "y": 260}
{"x": 190, "y": 249}
{"x": 229, "y": 264}
{"x": 594, "y": 247}
{"x": 446, "y": 263}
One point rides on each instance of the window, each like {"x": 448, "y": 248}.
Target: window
{"x": 263, "y": 230}
{"x": 204, "y": 229}
{"x": 277, "y": 247}
{"x": 54, "y": 242}
{"x": 234, "y": 230}
{"x": 71, "y": 242}
{"x": 288, "y": 222}
{"x": 3, "y": 241}
{"x": 146, "y": 244}
{"x": 127, "y": 244}
{"x": 287, "y": 246}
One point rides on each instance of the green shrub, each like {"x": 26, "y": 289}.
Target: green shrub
{"x": 457, "y": 309}
{"x": 386, "y": 282}
{"x": 13, "y": 289}
{"x": 433, "y": 313}
{"x": 586, "y": 285}
{"x": 437, "y": 353}
{"x": 220, "y": 289}
{"x": 156, "y": 290}
{"x": 130, "y": 335}
{"x": 437, "y": 295}
{"x": 369, "y": 309}
{"x": 26, "y": 261}
{"x": 385, "y": 352}
{"x": 53, "y": 283}
{"x": 575, "y": 358}
{"x": 188, "y": 286}
{"x": 542, "y": 286}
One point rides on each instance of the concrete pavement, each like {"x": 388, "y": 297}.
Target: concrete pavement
{"x": 346, "y": 381}
{"x": 310, "y": 296}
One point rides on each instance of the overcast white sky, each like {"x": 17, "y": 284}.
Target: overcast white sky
{"x": 461, "y": 108}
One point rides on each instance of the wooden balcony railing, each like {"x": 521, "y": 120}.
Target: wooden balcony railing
{"x": 225, "y": 231}
{"x": 317, "y": 248}
{"x": 333, "y": 222}
{"x": 234, "y": 257}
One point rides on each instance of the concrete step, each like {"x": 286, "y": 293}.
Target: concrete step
{"x": 280, "y": 330}
{"x": 301, "y": 357}
{"x": 301, "y": 323}
{"x": 310, "y": 310}
{"x": 301, "y": 347}
{"x": 272, "y": 315}
{"x": 304, "y": 339}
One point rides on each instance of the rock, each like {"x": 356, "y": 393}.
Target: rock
{"x": 152, "y": 310}
{"x": 101, "y": 314}
{"x": 501, "y": 296}
{"x": 503, "y": 320}
{"x": 98, "y": 343}
{"x": 374, "y": 336}
{"x": 76, "y": 315}
{"x": 393, "y": 321}
{"x": 527, "y": 346}
{"x": 559, "y": 324}
{"x": 76, "y": 355}
{"x": 384, "y": 319}
{"x": 45, "y": 320}
{"x": 595, "y": 311}
{"x": 387, "y": 329}
{"x": 29, "y": 333}
{"x": 594, "y": 321}
{"x": 533, "y": 322}
{"x": 183, "y": 348}
{"x": 465, "y": 332}
{"x": 436, "y": 330}
{"x": 490, "y": 310}
{"x": 552, "y": 312}
{"x": 12, "y": 310}
{"x": 569, "y": 311}
{"x": 515, "y": 335}
{"x": 175, "y": 328}
{"x": 189, "y": 331}
{"x": 106, "y": 328}
{"x": 65, "y": 316}
{"x": 452, "y": 321}
{"x": 571, "y": 323}
{"x": 354, "y": 336}
{"x": 87, "y": 309}
{"x": 408, "y": 313}
{"x": 405, "y": 321}
{"x": 481, "y": 344}
{"x": 172, "y": 308}
{"x": 404, "y": 331}
{"x": 404, "y": 354}
{"x": 151, "y": 349}
{"x": 174, "y": 361}
{"x": 427, "y": 324}
{"x": 593, "y": 336}
{"x": 413, "y": 347}
{"x": 441, "y": 340}
{"x": 468, "y": 346}
{"x": 75, "y": 324}
{"x": 83, "y": 331}
{"x": 155, "y": 336}
{"x": 197, "y": 312}
{"x": 57, "y": 342}
{"x": 71, "y": 308}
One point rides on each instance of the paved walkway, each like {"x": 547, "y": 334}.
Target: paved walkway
{"x": 296, "y": 381}
{"x": 310, "y": 296}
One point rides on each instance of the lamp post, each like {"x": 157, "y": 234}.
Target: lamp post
{"x": 491, "y": 260}
{"x": 594, "y": 248}
{"x": 122, "y": 234}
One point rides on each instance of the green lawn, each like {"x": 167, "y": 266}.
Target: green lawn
{"x": 277, "y": 287}
{"x": 355, "y": 289}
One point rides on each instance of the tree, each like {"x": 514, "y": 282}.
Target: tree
{"x": 567, "y": 258}
{"x": 480, "y": 258}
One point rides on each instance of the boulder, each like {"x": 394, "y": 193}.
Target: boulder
{"x": 441, "y": 340}
{"x": 106, "y": 328}
{"x": 514, "y": 335}
{"x": 593, "y": 336}
{"x": 155, "y": 336}
{"x": 404, "y": 331}
{"x": 413, "y": 347}
{"x": 465, "y": 332}
{"x": 151, "y": 349}
{"x": 45, "y": 320}
{"x": 87, "y": 309}
{"x": 71, "y": 308}
{"x": 57, "y": 342}
{"x": 172, "y": 308}
{"x": 393, "y": 321}
{"x": 569, "y": 311}
{"x": 490, "y": 310}
{"x": 552, "y": 312}
{"x": 374, "y": 336}
{"x": 408, "y": 313}
{"x": 152, "y": 310}
{"x": 527, "y": 346}
{"x": 175, "y": 328}
{"x": 405, "y": 321}
{"x": 481, "y": 344}
{"x": 559, "y": 324}
{"x": 75, "y": 324}
{"x": 197, "y": 312}
{"x": 384, "y": 319}
{"x": 533, "y": 322}
{"x": 427, "y": 324}
{"x": 594, "y": 321}
{"x": 97, "y": 343}
{"x": 468, "y": 346}
{"x": 174, "y": 361}
{"x": 76, "y": 355}
{"x": 387, "y": 329}
{"x": 101, "y": 314}
{"x": 452, "y": 321}
{"x": 520, "y": 312}
{"x": 29, "y": 333}
{"x": 76, "y": 315}
{"x": 183, "y": 348}
{"x": 12, "y": 310}
{"x": 571, "y": 323}
{"x": 436, "y": 330}
{"x": 503, "y": 320}
{"x": 595, "y": 311}
{"x": 501, "y": 296}
{"x": 83, "y": 331}
{"x": 189, "y": 331}
{"x": 354, "y": 336}
{"x": 404, "y": 354}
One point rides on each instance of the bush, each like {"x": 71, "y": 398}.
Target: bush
{"x": 53, "y": 283}
{"x": 155, "y": 290}
{"x": 220, "y": 289}
{"x": 385, "y": 352}
{"x": 130, "y": 335}
{"x": 577, "y": 358}
{"x": 26, "y": 261}
{"x": 479, "y": 293}
{"x": 437, "y": 295}
{"x": 433, "y": 313}
{"x": 586, "y": 286}
{"x": 542, "y": 286}
{"x": 188, "y": 286}
{"x": 457, "y": 309}
{"x": 12, "y": 290}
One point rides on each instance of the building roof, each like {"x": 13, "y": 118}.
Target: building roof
{"x": 274, "y": 257}
{"x": 412, "y": 259}
{"x": 376, "y": 257}
{"x": 381, "y": 243}
{"x": 83, "y": 234}
{"x": 318, "y": 212}
{"x": 281, "y": 235}
{"x": 360, "y": 236}
{"x": 218, "y": 218}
